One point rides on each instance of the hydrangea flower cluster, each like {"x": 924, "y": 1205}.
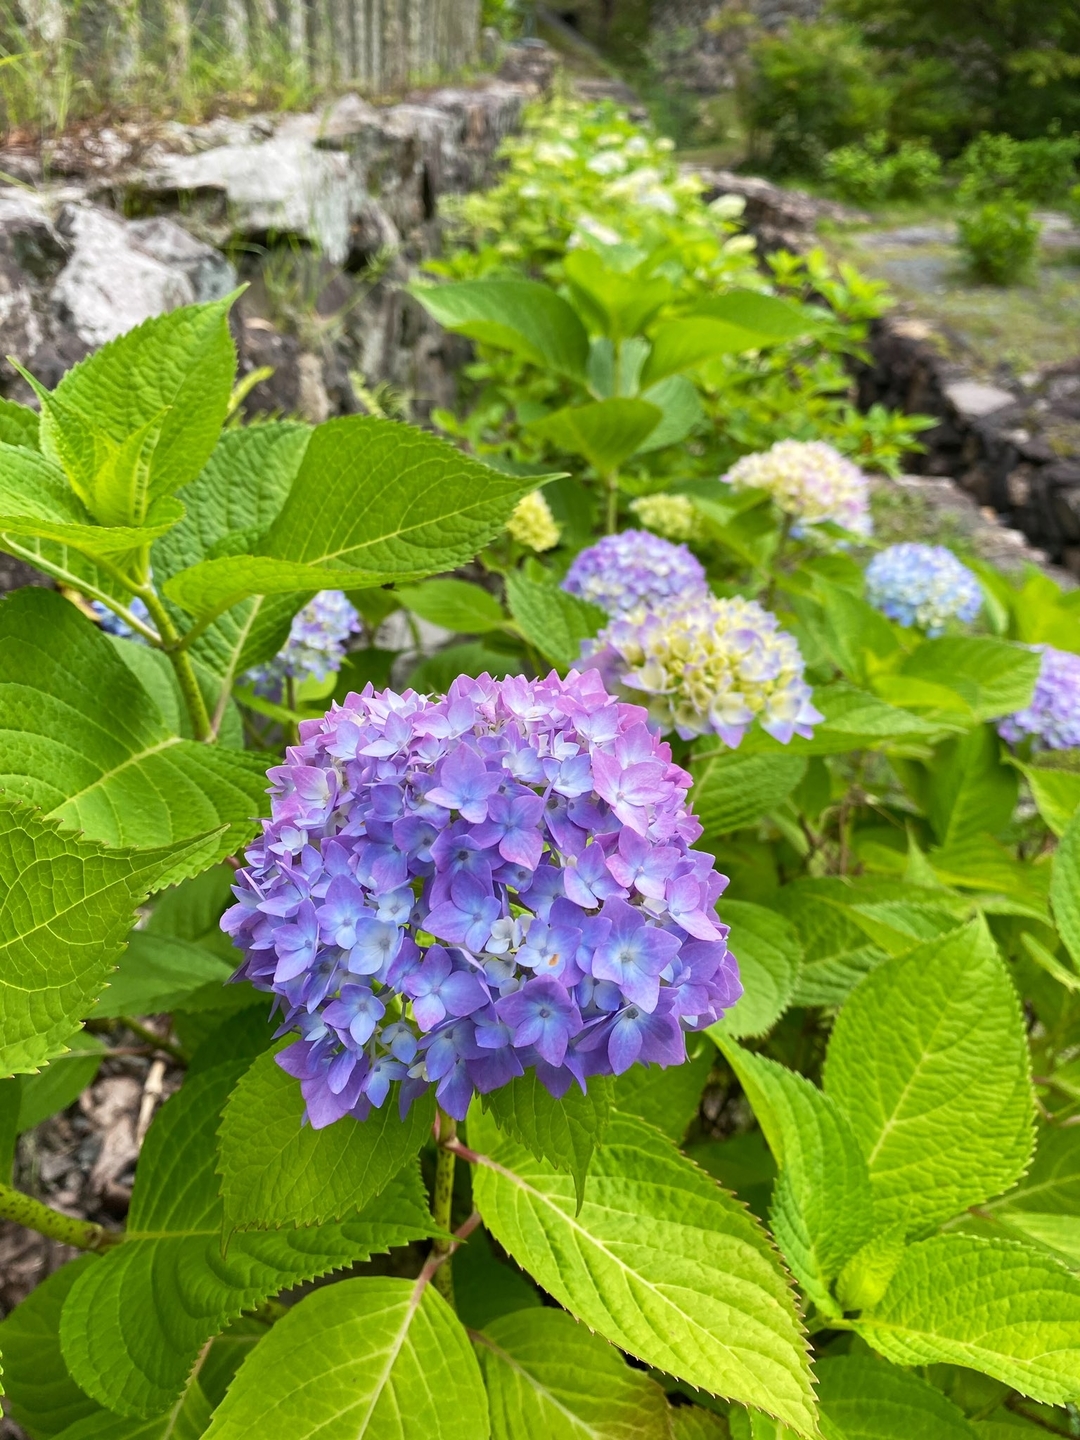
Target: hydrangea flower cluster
{"x": 810, "y": 481}
{"x": 451, "y": 892}
{"x": 315, "y": 647}
{"x": 532, "y": 523}
{"x": 673, "y": 516}
{"x": 922, "y": 585}
{"x": 633, "y": 572}
{"x": 716, "y": 665}
{"x": 1053, "y": 717}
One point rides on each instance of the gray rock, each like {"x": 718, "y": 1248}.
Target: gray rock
{"x": 109, "y": 286}
{"x": 27, "y": 235}
{"x": 212, "y": 276}
{"x": 276, "y": 187}
{"x": 972, "y": 399}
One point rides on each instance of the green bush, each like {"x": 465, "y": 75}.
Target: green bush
{"x": 1039, "y": 170}
{"x": 809, "y": 90}
{"x": 916, "y": 170}
{"x": 861, "y": 172}
{"x": 865, "y": 173}
{"x": 1000, "y": 240}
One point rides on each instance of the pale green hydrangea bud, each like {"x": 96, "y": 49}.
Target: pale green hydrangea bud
{"x": 673, "y": 516}
{"x": 532, "y": 523}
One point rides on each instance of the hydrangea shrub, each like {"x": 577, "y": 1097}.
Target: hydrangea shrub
{"x": 490, "y": 1109}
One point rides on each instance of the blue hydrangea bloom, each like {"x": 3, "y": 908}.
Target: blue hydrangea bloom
{"x": 453, "y": 891}
{"x": 633, "y": 572}
{"x": 924, "y": 586}
{"x": 315, "y": 647}
{"x": 714, "y": 665}
{"x": 111, "y": 623}
{"x": 1053, "y": 717}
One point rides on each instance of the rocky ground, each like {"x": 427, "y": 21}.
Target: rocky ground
{"x": 999, "y": 370}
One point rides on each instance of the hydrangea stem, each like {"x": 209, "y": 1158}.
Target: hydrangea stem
{"x": 67, "y": 1229}
{"x": 182, "y": 666}
{"x": 442, "y": 1200}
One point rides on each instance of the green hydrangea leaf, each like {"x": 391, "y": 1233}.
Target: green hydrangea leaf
{"x": 854, "y": 720}
{"x": 176, "y": 370}
{"x": 366, "y": 1359}
{"x": 1065, "y": 888}
{"x": 837, "y": 953}
{"x": 157, "y": 974}
{"x": 547, "y": 1376}
{"x": 66, "y": 907}
{"x": 667, "y": 1097}
{"x": 659, "y": 1260}
{"x": 455, "y": 604}
{"x": 992, "y": 677}
{"x": 186, "y": 1420}
{"x": 941, "y": 1128}
{"x": 423, "y": 507}
{"x": 276, "y": 1171}
{"x": 44, "y": 1399}
{"x": 770, "y": 957}
{"x": 565, "y": 1132}
{"x": 993, "y": 1305}
{"x": 605, "y": 433}
{"x": 82, "y": 738}
{"x": 59, "y": 1083}
{"x": 36, "y": 503}
{"x": 822, "y": 1212}
{"x": 19, "y": 425}
{"x": 551, "y": 620}
{"x": 241, "y": 488}
{"x": 732, "y": 789}
{"x": 970, "y": 791}
{"x": 867, "y": 1399}
{"x": 1054, "y": 777}
{"x": 136, "y": 1320}
{"x": 522, "y": 316}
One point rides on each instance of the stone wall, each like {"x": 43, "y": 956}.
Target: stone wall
{"x": 324, "y": 216}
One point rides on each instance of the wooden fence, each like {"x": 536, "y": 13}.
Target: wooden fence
{"x": 108, "y": 47}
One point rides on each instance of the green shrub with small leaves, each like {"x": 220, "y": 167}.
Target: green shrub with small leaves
{"x": 999, "y": 241}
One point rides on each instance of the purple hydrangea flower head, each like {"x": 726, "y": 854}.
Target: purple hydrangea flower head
{"x": 924, "y": 586}
{"x": 453, "y": 891}
{"x": 717, "y": 666}
{"x": 809, "y": 481}
{"x": 633, "y": 572}
{"x": 1053, "y": 717}
{"x": 315, "y": 647}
